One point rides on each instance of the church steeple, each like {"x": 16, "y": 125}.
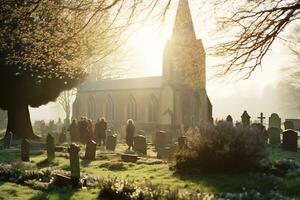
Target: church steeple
{"x": 183, "y": 26}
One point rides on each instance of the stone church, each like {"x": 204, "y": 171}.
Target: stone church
{"x": 165, "y": 101}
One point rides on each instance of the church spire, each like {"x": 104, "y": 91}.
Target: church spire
{"x": 183, "y": 26}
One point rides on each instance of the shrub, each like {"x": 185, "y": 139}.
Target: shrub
{"x": 221, "y": 148}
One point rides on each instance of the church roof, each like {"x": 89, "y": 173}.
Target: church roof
{"x": 183, "y": 26}
{"x": 122, "y": 84}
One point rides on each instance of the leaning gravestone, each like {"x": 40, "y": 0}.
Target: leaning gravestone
{"x": 8, "y": 140}
{"x": 25, "y": 150}
{"x": 161, "y": 139}
{"x": 74, "y": 164}
{"x": 290, "y": 140}
{"x": 245, "y": 119}
{"x": 111, "y": 142}
{"x": 288, "y": 125}
{"x": 90, "y": 150}
{"x": 50, "y": 147}
{"x": 274, "y": 136}
{"x": 275, "y": 121}
{"x": 140, "y": 144}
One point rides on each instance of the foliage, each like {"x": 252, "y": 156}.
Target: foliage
{"x": 251, "y": 28}
{"x": 221, "y": 148}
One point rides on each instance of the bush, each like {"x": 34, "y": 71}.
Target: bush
{"x": 221, "y": 148}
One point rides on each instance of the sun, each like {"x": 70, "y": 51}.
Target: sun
{"x": 148, "y": 43}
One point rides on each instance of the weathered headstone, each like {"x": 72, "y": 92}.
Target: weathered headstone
{"x": 140, "y": 144}
{"x": 161, "y": 139}
{"x": 182, "y": 141}
{"x": 275, "y": 121}
{"x": 290, "y": 140}
{"x": 74, "y": 164}
{"x": 274, "y": 136}
{"x": 288, "y": 125}
{"x": 50, "y": 147}
{"x": 111, "y": 142}
{"x": 90, "y": 150}
{"x": 261, "y": 118}
{"x": 25, "y": 150}
{"x": 245, "y": 119}
{"x": 8, "y": 140}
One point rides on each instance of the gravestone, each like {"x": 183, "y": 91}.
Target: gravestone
{"x": 74, "y": 164}
{"x": 288, "y": 125}
{"x": 229, "y": 119}
{"x": 90, "y": 150}
{"x": 245, "y": 119}
{"x": 25, "y": 150}
{"x": 8, "y": 140}
{"x": 261, "y": 118}
{"x": 182, "y": 142}
{"x": 140, "y": 144}
{"x": 111, "y": 142}
{"x": 161, "y": 139}
{"x": 50, "y": 147}
{"x": 290, "y": 140}
{"x": 274, "y": 136}
{"x": 275, "y": 121}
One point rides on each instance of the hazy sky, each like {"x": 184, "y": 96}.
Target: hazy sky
{"x": 257, "y": 94}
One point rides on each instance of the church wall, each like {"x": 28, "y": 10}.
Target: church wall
{"x": 120, "y": 99}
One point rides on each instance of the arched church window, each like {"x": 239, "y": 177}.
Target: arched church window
{"x": 109, "y": 109}
{"x": 153, "y": 109}
{"x": 132, "y": 109}
{"x": 92, "y": 108}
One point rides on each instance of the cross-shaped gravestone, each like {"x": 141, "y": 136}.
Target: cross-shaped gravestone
{"x": 261, "y": 118}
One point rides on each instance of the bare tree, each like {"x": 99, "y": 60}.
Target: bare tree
{"x": 251, "y": 29}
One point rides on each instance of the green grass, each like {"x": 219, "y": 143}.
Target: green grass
{"x": 110, "y": 165}
{"x": 18, "y": 192}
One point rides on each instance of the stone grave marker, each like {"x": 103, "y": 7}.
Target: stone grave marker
{"x": 275, "y": 121}
{"x": 111, "y": 142}
{"x": 288, "y": 125}
{"x": 140, "y": 144}
{"x": 74, "y": 164}
{"x": 90, "y": 150}
{"x": 245, "y": 119}
{"x": 290, "y": 140}
{"x": 50, "y": 147}
{"x": 8, "y": 140}
{"x": 25, "y": 150}
{"x": 274, "y": 136}
{"x": 229, "y": 119}
{"x": 161, "y": 139}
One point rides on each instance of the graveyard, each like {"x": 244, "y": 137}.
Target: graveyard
{"x": 147, "y": 165}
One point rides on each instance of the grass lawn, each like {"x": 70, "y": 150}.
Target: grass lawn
{"x": 110, "y": 165}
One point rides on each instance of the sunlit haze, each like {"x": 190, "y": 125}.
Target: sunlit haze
{"x": 257, "y": 94}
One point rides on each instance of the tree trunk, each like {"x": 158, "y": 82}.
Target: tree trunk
{"x": 19, "y": 122}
